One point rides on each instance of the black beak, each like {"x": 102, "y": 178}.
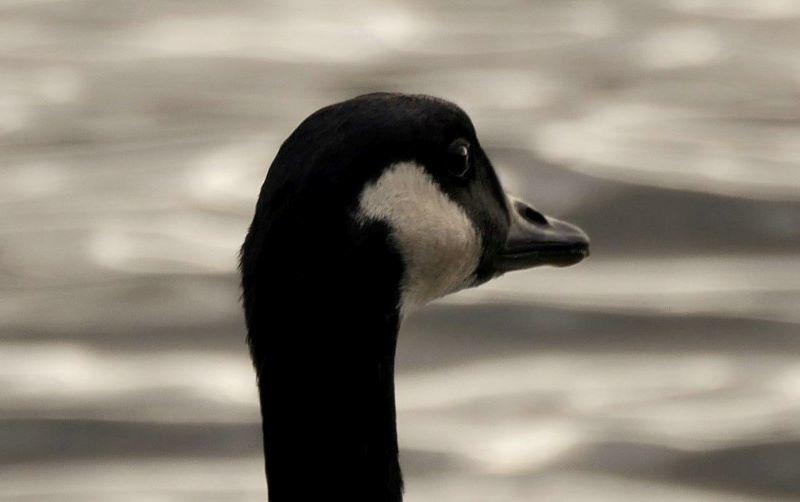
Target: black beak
{"x": 535, "y": 239}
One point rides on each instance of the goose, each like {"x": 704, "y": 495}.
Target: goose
{"x": 373, "y": 207}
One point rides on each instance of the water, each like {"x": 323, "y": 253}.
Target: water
{"x": 134, "y": 137}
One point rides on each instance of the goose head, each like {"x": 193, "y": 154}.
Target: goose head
{"x": 448, "y": 215}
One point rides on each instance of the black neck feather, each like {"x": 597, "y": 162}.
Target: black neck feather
{"x": 322, "y": 326}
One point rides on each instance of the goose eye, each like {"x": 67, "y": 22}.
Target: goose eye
{"x": 458, "y": 162}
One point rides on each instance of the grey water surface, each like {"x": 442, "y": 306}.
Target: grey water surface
{"x": 133, "y": 140}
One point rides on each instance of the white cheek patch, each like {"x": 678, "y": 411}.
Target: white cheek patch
{"x": 440, "y": 246}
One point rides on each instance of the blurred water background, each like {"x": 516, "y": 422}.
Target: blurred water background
{"x": 134, "y": 137}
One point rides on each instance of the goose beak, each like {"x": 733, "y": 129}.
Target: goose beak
{"x": 535, "y": 239}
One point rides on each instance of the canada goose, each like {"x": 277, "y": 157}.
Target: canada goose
{"x": 371, "y": 208}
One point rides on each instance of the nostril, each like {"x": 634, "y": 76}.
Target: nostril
{"x": 532, "y": 215}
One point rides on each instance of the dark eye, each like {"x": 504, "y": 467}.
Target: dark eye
{"x": 458, "y": 161}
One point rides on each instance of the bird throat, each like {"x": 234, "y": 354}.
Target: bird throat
{"x": 323, "y": 344}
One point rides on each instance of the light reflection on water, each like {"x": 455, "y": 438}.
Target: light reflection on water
{"x": 134, "y": 138}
